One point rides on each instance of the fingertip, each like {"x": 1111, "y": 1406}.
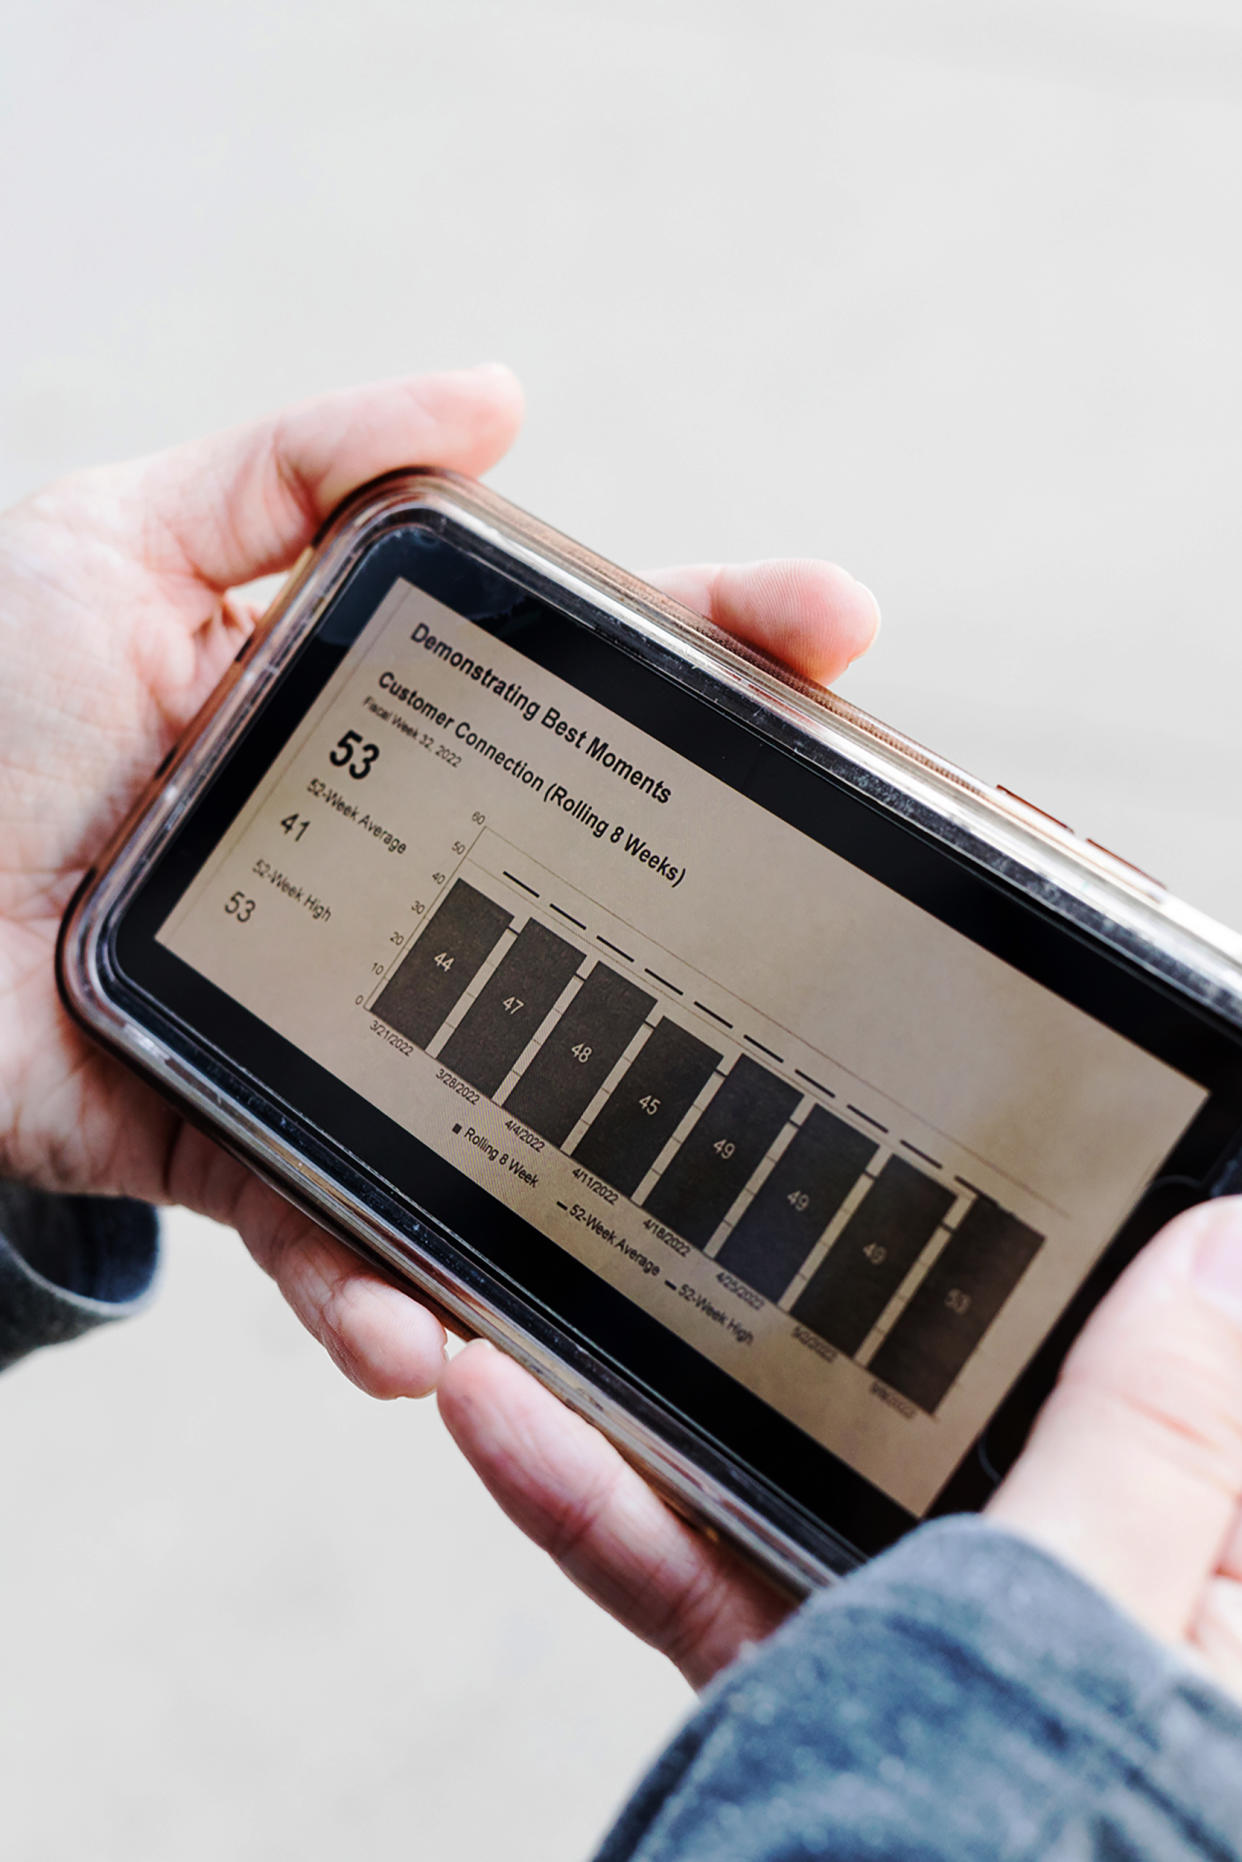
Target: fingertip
{"x": 498, "y": 378}
{"x": 385, "y": 1342}
{"x": 814, "y": 617}
{"x": 478, "y": 409}
{"x": 496, "y": 384}
{"x": 858, "y": 605}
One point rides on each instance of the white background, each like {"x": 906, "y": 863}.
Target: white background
{"x": 950, "y": 293}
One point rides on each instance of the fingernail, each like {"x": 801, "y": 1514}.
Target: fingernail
{"x": 864, "y": 646}
{"x": 1217, "y": 1269}
{"x": 491, "y": 371}
{"x": 875, "y": 606}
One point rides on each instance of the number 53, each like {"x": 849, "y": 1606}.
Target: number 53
{"x": 352, "y": 752}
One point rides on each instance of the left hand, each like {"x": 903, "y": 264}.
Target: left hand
{"x": 116, "y": 621}
{"x": 692, "y": 1598}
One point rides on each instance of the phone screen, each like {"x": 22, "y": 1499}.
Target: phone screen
{"x": 831, "y": 1141}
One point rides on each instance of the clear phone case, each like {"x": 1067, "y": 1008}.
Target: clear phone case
{"x": 1100, "y": 895}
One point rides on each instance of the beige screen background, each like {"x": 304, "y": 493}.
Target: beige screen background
{"x": 440, "y": 769}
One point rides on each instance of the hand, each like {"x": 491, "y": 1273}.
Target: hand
{"x": 116, "y": 620}
{"x": 1133, "y": 1473}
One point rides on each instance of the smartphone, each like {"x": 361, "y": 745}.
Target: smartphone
{"x": 782, "y": 1096}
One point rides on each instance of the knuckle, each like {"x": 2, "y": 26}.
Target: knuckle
{"x": 287, "y": 475}
{"x": 572, "y": 1529}
{"x": 690, "y": 1616}
{"x": 338, "y": 1330}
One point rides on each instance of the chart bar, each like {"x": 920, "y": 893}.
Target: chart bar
{"x": 710, "y": 1169}
{"x": 579, "y": 1053}
{"x": 436, "y": 971}
{"x": 795, "y": 1203}
{"x": 646, "y": 1106}
{"x": 948, "y": 1313}
{"x": 872, "y": 1255}
{"x": 510, "y": 1006}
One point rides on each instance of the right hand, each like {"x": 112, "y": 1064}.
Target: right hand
{"x": 1132, "y": 1475}
{"x": 1133, "y": 1472}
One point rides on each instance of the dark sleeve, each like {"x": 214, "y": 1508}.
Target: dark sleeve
{"x": 68, "y": 1263}
{"x": 963, "y": 1699}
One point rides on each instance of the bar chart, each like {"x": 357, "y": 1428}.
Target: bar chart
{"x": 894, "y": 1263}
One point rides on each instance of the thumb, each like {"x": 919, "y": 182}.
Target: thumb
{"x": 1133, "y": 1472}
{"x": 242, "y": 503}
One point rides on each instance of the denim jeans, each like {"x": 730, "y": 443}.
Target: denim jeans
{"x": 964, "y": 1698}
